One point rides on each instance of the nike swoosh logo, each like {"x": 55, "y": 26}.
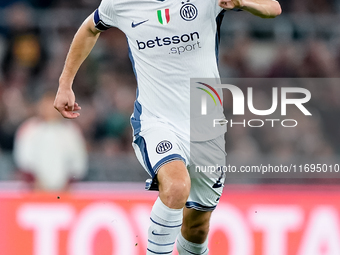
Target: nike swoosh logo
{"x": 153, "y": 232}
{"x": 133, "y": 25}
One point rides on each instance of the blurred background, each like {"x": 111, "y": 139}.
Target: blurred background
{"x": 93, "y": 156}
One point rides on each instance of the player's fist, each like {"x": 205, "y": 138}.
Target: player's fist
{"x": 230, "y": 4}
{"x": 65, "y": 103}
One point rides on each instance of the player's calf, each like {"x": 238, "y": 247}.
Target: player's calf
{"x": 164, "y": 228}
{"x": 193, "y": 237}
{"x": 195, "y": 225}
{"x": 167, "y": 212}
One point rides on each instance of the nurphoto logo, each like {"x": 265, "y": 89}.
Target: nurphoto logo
{"x": 239, "y": 103}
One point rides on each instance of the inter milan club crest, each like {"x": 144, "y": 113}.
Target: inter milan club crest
{"x": 163, "y": 147}
{"x": 163, "y": 16}
{"x": 188, "y": 11}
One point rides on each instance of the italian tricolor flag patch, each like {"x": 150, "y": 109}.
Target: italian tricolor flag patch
{"x": 163, "y": 16}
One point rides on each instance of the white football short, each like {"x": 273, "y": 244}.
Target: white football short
{"x": 159, "y": 145}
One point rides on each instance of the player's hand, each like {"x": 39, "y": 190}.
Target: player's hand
{"x": 65, "y": 103}
{"x": 230, "y": 4}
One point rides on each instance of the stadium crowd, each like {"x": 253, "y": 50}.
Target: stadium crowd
{"x": 32, "y": 54}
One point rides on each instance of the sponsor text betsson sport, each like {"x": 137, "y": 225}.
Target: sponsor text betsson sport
{"x": 184, "y": 43}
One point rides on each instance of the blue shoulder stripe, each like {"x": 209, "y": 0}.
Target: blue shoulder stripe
{"x": 99, "y": 24}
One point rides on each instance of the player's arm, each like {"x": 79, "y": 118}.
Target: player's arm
{"x": 261, "y": 8}
{"x": 82, "y": 44}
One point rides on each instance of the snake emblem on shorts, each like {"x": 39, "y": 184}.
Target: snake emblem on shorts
{"x": 163, "y": 147}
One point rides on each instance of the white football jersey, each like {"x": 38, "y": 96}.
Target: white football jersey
{"x": 170, "y": 41}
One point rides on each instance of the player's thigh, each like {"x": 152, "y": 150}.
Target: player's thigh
{"x": 156, "y": 147}
{"x": 207, "y": 177}
{"x": 173, "y": 174}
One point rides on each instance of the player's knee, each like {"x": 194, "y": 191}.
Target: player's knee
{"x": 180, "y": 188}
{"x": 174, "y": 184}
{"x": 176, "y": 192}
